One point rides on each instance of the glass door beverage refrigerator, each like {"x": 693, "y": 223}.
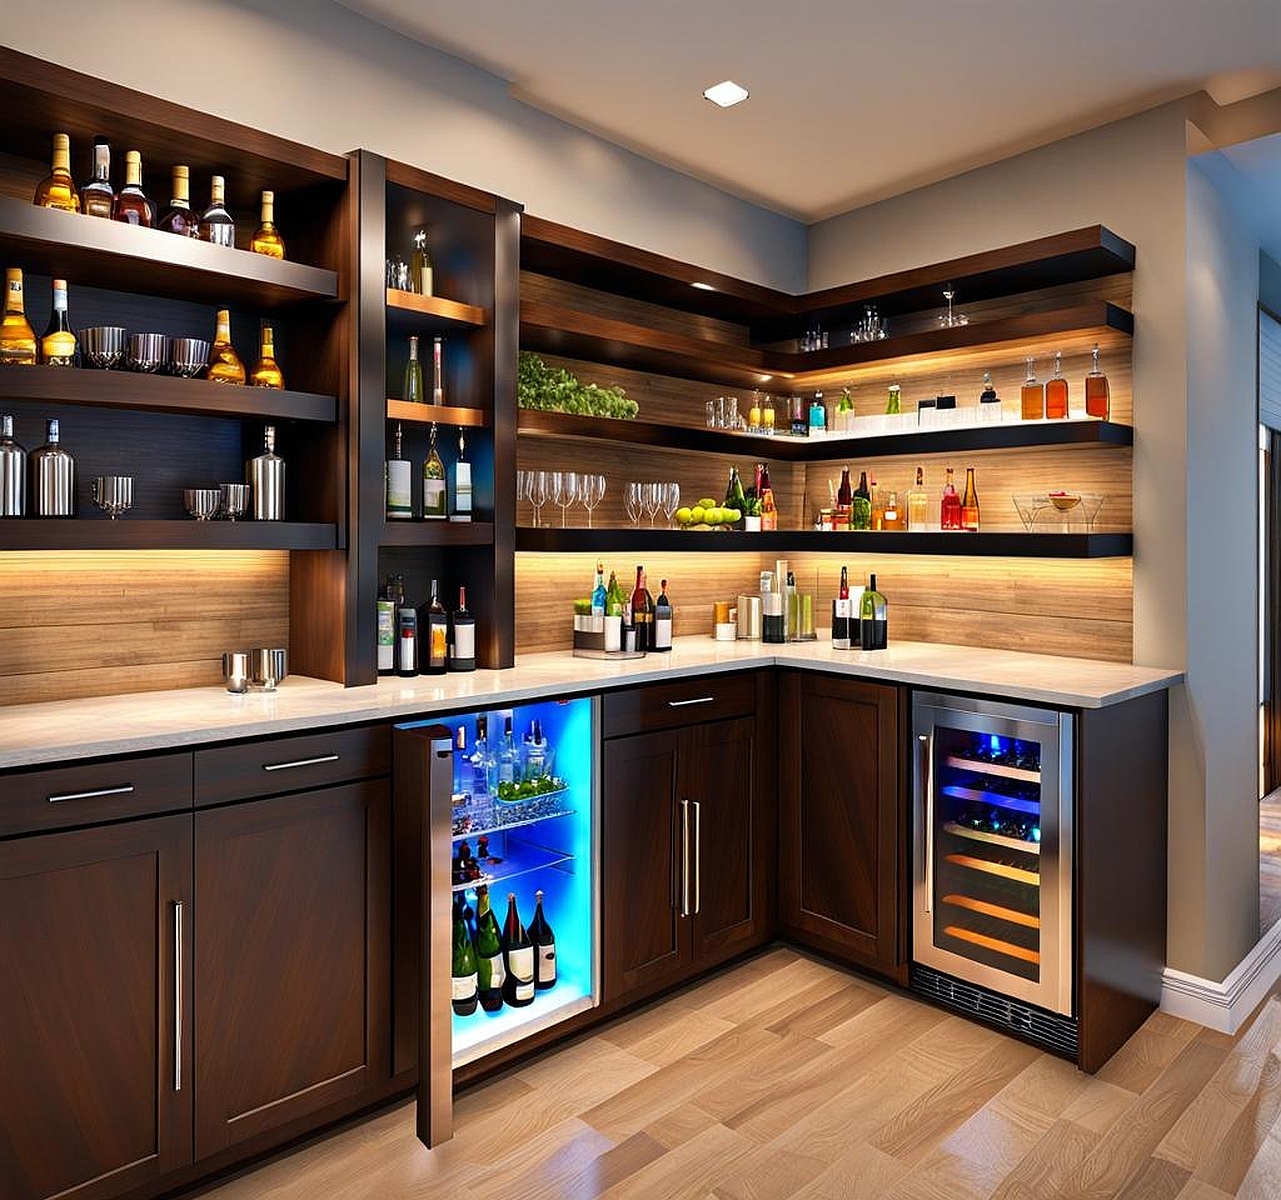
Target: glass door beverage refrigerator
{"x": 992, "y": 864}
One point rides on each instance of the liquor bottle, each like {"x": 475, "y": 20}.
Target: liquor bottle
{"x": 465, "y": 976}
{"x": 462, "y": 643}
{"x": 518, "y": 959}
{"x": 483, "y": 761}
{"x": 818, "y": 414}
{"x": 399, "y": 478}
{"x": 1097, "y": 401}
{"x": 13, "y": 472}
{"x": 598, "y": 592}
{"x": 841, "y": 614}
{"x": 437, "y": 634}
{"x": 878, "y": 504}
{"x": 892, "y": 519}
{"x": 462, "y": 777}
{"x": 265, "y": 474}
{"x": 663, "y": 620}
{"x": 861, "y": 505}
{"x": 178, "y": 217}
{"x": 267, "y": 239}
{"x": 1032, "y": 397}
{"x": 535, "y": 751}
{"x": 385, "y": 616}
{"x": 614, "y": 597}
{"x": 894, "y": 405}
{"x": 58, "y": 347}
{"x": 407, "y": 641}
{"x": 769, "y": 511}
{"x": 508, "y": 755}
{"x": 950, "y": 506}
{"x": 989, "y": 402}
{"x": 844, "y": 501}
{"x": 132, "y": 206}
{"x": 53, "y": 477}
{"x": 540, "y": 933}
{"x": 1056, "y": 392}
{"x": 216, "y": 225}
{"x": 438, "y": 370}
{"x": 433, "y": 482}
{"x": 491, "y": 972}
{"x": 873, "y": 624}
{"x": 460, "y": 486}
{"x": 17, "y": 338}
{"x": 413, "y": 389}
{"x": 97, "y": 196}
{"x": 266, "y": 372}
{"x": 970, "y": 504}
{"x": 642, "y": 612}
{"x": 224, "y": 363}
{"x": 420, "y": 271}
{"x": 918, "y": 502}
{"x": 57, "y": 189}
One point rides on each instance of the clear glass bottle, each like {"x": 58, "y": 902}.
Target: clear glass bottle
{"x": 420, "y": 267}
{"x": 918, "y": 504}
{"x": 1032, "y": 397}
{"x": 267, "y": 239}
{"x": 1056, "y": 392}
{"x": 266, "y": 372}
{"x": 58, "y": 189}
{"x": 17, "y": 338}
{"x": 508, "y": 758}
{"x": 224, "y": 363}
{"x": 413, "y": 389}
{"x": 1098, "y": 403}
{"x": 59, "y": 347}
{"x": 434, "y": 502}
{"x": 437, "y": 370}
{"x": 132, "y": 206}
{"x": 216, "y": 224}
{"x": 97, "y": 196}
{"x": 178, "y": 217}
{"x": 950, "y": 505}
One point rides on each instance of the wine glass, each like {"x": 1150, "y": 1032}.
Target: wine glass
{"x": 539, "y": 483}
{"x": 632, "y": 498}
{"x": 593, "y": 488}
{"x": 522, "y": 486}
{"x": 671, "y": 500}
{"x": 653, "y": 498}
{"x": 568, "y": 493}
{"x": 555, "y": 481}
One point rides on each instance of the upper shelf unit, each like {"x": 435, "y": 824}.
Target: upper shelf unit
{"x": 413, "y": 310}
{"x": 91, "y": 533}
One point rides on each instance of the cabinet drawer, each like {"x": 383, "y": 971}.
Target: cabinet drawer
{"x": 290, "y": 764}
{"x": 671, "y": 705}
{"x": 87, "y": 793}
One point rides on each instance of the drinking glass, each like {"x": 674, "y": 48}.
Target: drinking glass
{"x": 671, "y": 500}
{"x": 711, "y": 414}
{"x": 568, "y": 494}
{"x": 522, "y": 488}
{"x": 555, "y": 482}
{"x": 632, "y": 498}
{"x": 539, "y": 484}
{"x": 652, "y": 496}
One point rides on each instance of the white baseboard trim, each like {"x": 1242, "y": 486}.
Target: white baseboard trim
{"x": 1224, "y": 1006}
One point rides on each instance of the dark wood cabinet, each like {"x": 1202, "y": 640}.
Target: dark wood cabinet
{"x": 841, "y": 825}
{"x": 292, "y": 964}
{"x": 95, "y": 955}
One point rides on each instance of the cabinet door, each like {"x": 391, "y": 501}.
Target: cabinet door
{"x": 96, "y": 1096}
{"x": 291, "y": 965}
{"x": 718, "y": 781}
{"x": 645, "y": 939}
{"x": 839, "y": 827}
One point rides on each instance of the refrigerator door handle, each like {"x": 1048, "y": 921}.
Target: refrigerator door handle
{"x": 684, "y": 857}
{"x": 926, "y": 744}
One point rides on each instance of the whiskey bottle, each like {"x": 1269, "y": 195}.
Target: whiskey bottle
{"x": 53, "y": 477}
{"x": 1097, "y": 401}
{"x": 437, "y": 634}
{"x": 413, "y": 389}
{"x": 58, "y": 347}
{"x": 1056, "y": 392}
{"x": 267, "y": 373}
{"x": 132, "y": 206}
{"x": 58, "y": 189}
{"x": 460, "y": 473}
{"x": 434, "y": 506}
{"x": 420, "y": 269}
{"x": 97, "y": 196}
{"x": 437, "y": 370}
{"x": 462, "y": 643}
{"x": 224, "y": 364}
{"x": 216, "y": 225}
{"x": 1032, "y": 397}
{"x": 178, "y": 217}
{"x": 17, "y": 338}
{"x": 267, "y": 239}
{"x": 400, "y": 505}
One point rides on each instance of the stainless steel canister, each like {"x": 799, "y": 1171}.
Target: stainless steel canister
{"x": 13, "y": 472}
{"x": 53, "y": 478}
{"x": 749, "y": 618}
{"x": 266, "y": 479}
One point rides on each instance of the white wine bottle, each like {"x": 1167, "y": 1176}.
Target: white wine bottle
{"x": 400, "y": 505}
{"x": 540, "y": 933}
{"x": 464, "y": 972}
{"x": 489, "y": 954}
{"x": 433, "y": 483}
{"x": 460, "y": 474}
{"x": 518, "y": 959}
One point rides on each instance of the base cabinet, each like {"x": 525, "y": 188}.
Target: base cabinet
{"x": 841, "y": 828}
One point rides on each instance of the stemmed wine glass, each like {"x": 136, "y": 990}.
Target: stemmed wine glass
{"x": 555, "y": 483}
{"x": 671, "y": 500}
{"x": 653, "y": 495}
{"x": 568, "y": 494}
{"x": 539, "y": 483}
{"x": 522, "y": 486}
{"x": 593, "y": 488}
{"x": 632, "y": 498}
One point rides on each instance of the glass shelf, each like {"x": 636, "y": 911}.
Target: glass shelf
{"x": 521, "y": 817}
{"x": 522, "y": 858}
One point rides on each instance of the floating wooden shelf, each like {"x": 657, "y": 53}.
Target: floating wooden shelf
{"x": 436, "y": 308}
{"x": 1008, "y": 435}
{"x": 162, "y": 393}
{"x": 437, "y": 533}
{"x": 92, "y": 533}
{"x": 111, "y": 254}
{"x": 994, "y": 545}
{"x": 438, "y": 414}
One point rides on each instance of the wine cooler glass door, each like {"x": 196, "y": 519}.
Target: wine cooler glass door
{"x": 993, "y": 847}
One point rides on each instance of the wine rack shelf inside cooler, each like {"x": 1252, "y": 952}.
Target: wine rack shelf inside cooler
{"x": 979, "y": 767}
{"x": 547, "y": 807}
{"x": 996, "y": 799}
{"x": 993, "y": 839}
{"x": 988, "y": 867}
{"x": 997, "y": 945}
{"x": 477, "y": 1035}
{"x": 522, "y": 858}
{"x": 999, "y": 911}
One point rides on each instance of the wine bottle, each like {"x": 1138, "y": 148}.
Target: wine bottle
{"x": 841, "y": 614}
{"x": 614, "y": 597}
{"x": 918, "y": 503}
{"x": 540, "y": 933}
{"x": 58, "y": 347}
{"x": 491, "y": 972}
{"x": 950, "y": 505}
{"x": 1056, "y": 392}
{"x": 224, "y": 363}
{"x": 461, "y": 869}
{"x": 420, "y": 265}
{"x": 437, "y": 634}
{"x": 17, "y": 338}
{"x": 769, "y": 512}
{"x": 970, "y": 504}
{"x": 1032, "y": 397}
{"x": 407, "y": 641}
{"x": 385, "y": 610}
{"x": 267, "y": 239}
{"x": 460, "y": 474}
{"x": 861, "y": 504}
{"x": 216, "y": 224}
{"x": 413, "y": 387}
{"x": 433, "y": 482}
{"x": 58, "y": 189}
{"x": 873, "y": 623}
{"x": 598, "y": 592}
{"x": 735, "y": 499}
{"x": 508, "y": 756}
{"x": 518, "y": 958}
{"x": 97, "y": 196}
{"x": 462, "y": 643}
{"x": 399, "y": 479}
{"x": 642, "y": 613}
{"x": 663, "y": 620}
{"x": 1097, "y": 401}
{"x": 53, "y": 476}
{"x": 178, "y": 217}
{"x": 132, "y": 206}
{"x": 267, "y": 373}
{"x": 844, "y": 499}
{"x": 464, "y": 970}
{"x": 438, "y": 370}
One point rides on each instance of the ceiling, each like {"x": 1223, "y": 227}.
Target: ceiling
{"x": 851, "y": 101}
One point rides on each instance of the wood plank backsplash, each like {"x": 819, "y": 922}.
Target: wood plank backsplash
{"x": 94, "y": 623}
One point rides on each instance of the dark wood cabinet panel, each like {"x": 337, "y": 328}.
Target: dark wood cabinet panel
{"x": 839, "y": 827}
{"x": 676, "y": 705}
{"x": 291, "y": 971}
{"x": 95, "y": 1099}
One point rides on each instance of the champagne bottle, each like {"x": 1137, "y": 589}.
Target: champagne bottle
{"x": 132, "y": 206}
{"x": 970, "y": 503}
{"x": 491, "y": 973}
{"x": 178, "y": 217}
{"x": 437, "y": 634}
{"x": 950, "y": 505}
{"x": 433, "y": 483}
{"x": 438, "y": 370}
{"x": 267, "y": 239}
{"x": 97, "y": 196}
{"x": 413, "y": 389}
{"x": 267, "y": 373}
{"x": 873, "y": 623}
{"x": 663, "y": 620}
{"x": 224, "y": 363}
{"x": 17, "y": 338}
{"x": 420, "y": 270}
{"x": 1097, "y": 401}
{"x": 540, "y": 933}
{"x": 58, "y": 347}
{"x": 399, "y": 472}
{"x": 464, "y": 971}
{"x": 642, "y": 612}
{"x": 518, "y": 958}
{"x": 57, "y": 189}
{"x": 462, "y": 645}
{"x": 216, "y": 225}
{"x": 460, "y": 472}
{"x": 1056, "y": 392}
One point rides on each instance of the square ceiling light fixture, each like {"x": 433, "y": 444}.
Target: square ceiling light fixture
{"x": 726, "y": 94}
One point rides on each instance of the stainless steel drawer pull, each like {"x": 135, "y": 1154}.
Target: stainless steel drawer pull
{"x": 177, "y": 996}
{"x": 697, "y": 700}
{"x": 123, "y": 790}
{"x": 302, "y": 762}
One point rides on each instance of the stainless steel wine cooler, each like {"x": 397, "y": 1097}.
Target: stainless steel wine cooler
{"x": 992, "y": 863}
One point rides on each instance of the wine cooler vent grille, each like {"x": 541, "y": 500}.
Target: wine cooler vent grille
{"x": 1055, "y": 1032}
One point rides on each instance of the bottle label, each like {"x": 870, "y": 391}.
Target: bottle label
{"x": 547, "y": 963}
{"x": 663, "y": 633}
{"x": 521, "y": 964}
{"x": 464, "y": 641}
{"x": 59, "y": 347}
{"x": 425, "y": 281}
{"x": 438, "y": 645}
{"x": 386, "y": 635}
{"x": 433, "y": 497}
{"x": 464, "y": 987}
{"x": 399, "y": 503}
{"x": 407, "y": 650}
{"x": 492, "y": 966}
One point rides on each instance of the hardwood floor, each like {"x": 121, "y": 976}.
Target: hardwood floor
{"x": 787, "y": 1077}
{"x": 1269, "y": 861}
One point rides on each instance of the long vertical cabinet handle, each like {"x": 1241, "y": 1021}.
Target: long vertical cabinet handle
{"x": 927, "y": 745}
{"x": 698, "y": 857}
{"x": 177, "y": 996}
{"x": 684, "y": 857}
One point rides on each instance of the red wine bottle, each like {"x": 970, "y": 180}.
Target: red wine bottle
{"x": 491, "y": 972}
{"x": 518, "y": 958}
{"x": 544, "y": 940}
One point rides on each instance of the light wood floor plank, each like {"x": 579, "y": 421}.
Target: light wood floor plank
{"x": 1045, "y": 1170}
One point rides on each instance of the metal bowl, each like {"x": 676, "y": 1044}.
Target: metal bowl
{"x": 268, "y": 667}
{"x": 104, "y": 345}
{"x": 188, "y": 356}
{"x": 235, "y": 499}
{"x": 148, "y": 352}
{"x": 201, "y": 503}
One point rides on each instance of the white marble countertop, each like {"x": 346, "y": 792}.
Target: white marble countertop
{"x": 71, "y": 729}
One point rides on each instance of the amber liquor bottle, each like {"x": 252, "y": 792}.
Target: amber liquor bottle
{"x": 132, "y": 206}
{"x": 267, "y": 373}
{"x": 267, "y": 239}
{"x": 224, "y": 363}
{"x": 178, "y": 217}
{"x": 97, "y": 196}
{"x": 58, "y": 189}
{"x": 17, "y": 338}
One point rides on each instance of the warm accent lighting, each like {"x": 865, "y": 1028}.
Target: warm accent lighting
{"x": 726, "y": 94}
{"x": 703, "y": 287}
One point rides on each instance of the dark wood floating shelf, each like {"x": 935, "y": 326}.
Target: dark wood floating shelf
{"x": 435, "y": 309}
{"x": 92, "y": 533}
{"x": 163, "y": 393}
{"x": 437, "y": 533}
{"x": 436, "y": 414}
{"x": 1009, "y": 435}
{"x": 111, "y": 254}
{"x": 993, "y": 545}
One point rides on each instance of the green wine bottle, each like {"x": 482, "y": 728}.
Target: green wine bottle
{"x": 490, "y": 972}
{"x": 464, "y": 965}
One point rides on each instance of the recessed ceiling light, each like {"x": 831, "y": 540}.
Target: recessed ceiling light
{"x": 726, "y": 94}
{"x": 703, "y": 287}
